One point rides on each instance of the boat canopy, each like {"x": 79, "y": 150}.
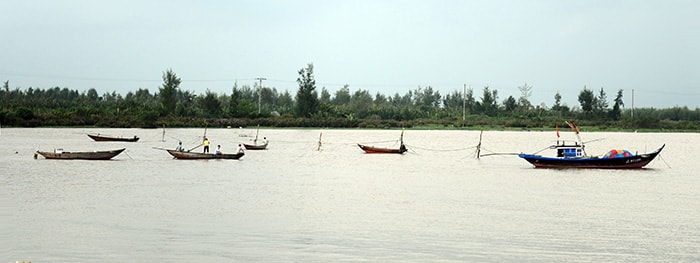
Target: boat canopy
{"x": 569, "y": 149}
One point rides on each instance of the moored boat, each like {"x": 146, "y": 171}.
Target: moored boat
{"x": 371, "y": 149}
{"x": 570, "y": 156}
{"x": 200, "y": 156}
{"x": 573, "y": 155}
{"x": 94, "y": 155}
{"x": 103, "y": 138}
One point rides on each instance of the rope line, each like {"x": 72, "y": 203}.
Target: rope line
{"x": 664, "y": 160}
{"x": 438, "y": 150}
{"x": 380, "y": 142}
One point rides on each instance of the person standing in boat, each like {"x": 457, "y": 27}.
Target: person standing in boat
{"x": 206, "y": 145}
{"x": 218, "y": 150}
{"x": 264, "y": 141}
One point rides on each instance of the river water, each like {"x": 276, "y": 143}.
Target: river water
{"x": 294, "y": 203}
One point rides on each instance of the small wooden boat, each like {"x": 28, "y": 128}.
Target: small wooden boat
{"x": 199, "y": 156}
{"x": 95, "y": 155}
{"x": 371, "y": 149}
{"x": 103, "y": 138}
{"x": 255, "y": 145}
{"x": 573, "y": 155}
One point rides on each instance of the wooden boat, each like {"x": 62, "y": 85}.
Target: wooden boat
{"x": 371, "y": 149}
{"x": 255, "y": 145}
{"x": 95, "y": 155}
{"x": 199, "y": 156}
{"x": 103, "y": 138}
{"x": 573, "y": 155}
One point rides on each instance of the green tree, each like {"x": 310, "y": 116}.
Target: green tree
{"x": 210, "y": 104}
{"x": 169, "y": 90}
{"x": 587, "y": 100}
{"x": 92, "y": 96}
{"x": 325, "y": 96}
{"x": 380, "y": 100}
{"x": 489, "y": 102}
{"x": 285, "y": 103}
{"x": 427, "y": 98}
{"x": 616, "y": 111}
{"x": 558, "y": 107}
{"x": 360, "y": 103}
{"x": 342, "y": 96}
{"x": 241, "y": 102}
{"x": 470, "y": 102}
{"x": 453, "y": 101}
{"x": 510, "y": 104}
{"x": 557, "y": 102}
{"x": 601, "y": 103}
{"x": 307, "y": 97}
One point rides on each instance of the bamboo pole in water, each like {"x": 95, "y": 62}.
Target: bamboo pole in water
{"x": 478, "y": 146}
{"x": 319, "y": 141}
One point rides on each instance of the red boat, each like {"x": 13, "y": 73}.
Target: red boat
{"x": 371, "y": 149}
{"x": 103, "y": 138}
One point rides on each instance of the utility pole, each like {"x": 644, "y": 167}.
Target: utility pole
{"x": 464, "y": 104}
{"x": 632, "y": 104}
{"x": 260, "y": 92}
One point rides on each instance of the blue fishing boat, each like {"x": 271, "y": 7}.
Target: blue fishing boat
{"x": 573, "y": 155}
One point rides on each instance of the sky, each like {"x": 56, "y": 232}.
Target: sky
{"x": 649, "y": 49}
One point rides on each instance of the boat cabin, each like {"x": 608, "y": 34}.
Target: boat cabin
{"x": 569, "y": 149}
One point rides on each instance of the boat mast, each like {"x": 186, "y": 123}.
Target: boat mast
{"x": 576, "y": 130}
{"x": 256, "y": 135}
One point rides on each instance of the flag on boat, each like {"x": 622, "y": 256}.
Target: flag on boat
{"x": 573, "y": 126}
{"x": 557, "y": 128}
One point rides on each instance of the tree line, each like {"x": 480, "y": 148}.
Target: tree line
{"x": 251, "y": 105}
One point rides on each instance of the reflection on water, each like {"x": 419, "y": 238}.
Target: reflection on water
{"x": 294, "y": 203}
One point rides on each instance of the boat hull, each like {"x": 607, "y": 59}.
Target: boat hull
{"x": 203, "y": 156}
{"x": 372, "y": 150}
{"x": 100, "y": 138}
{"x": 96, "y": 155}
{"x": 255, "y": 147}
{"x": 631, "y": 162}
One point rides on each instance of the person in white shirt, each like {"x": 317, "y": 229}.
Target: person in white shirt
{"x": 179, "y": 147}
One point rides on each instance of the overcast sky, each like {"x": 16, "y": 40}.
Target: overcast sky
{"x": 651, "y": 47}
